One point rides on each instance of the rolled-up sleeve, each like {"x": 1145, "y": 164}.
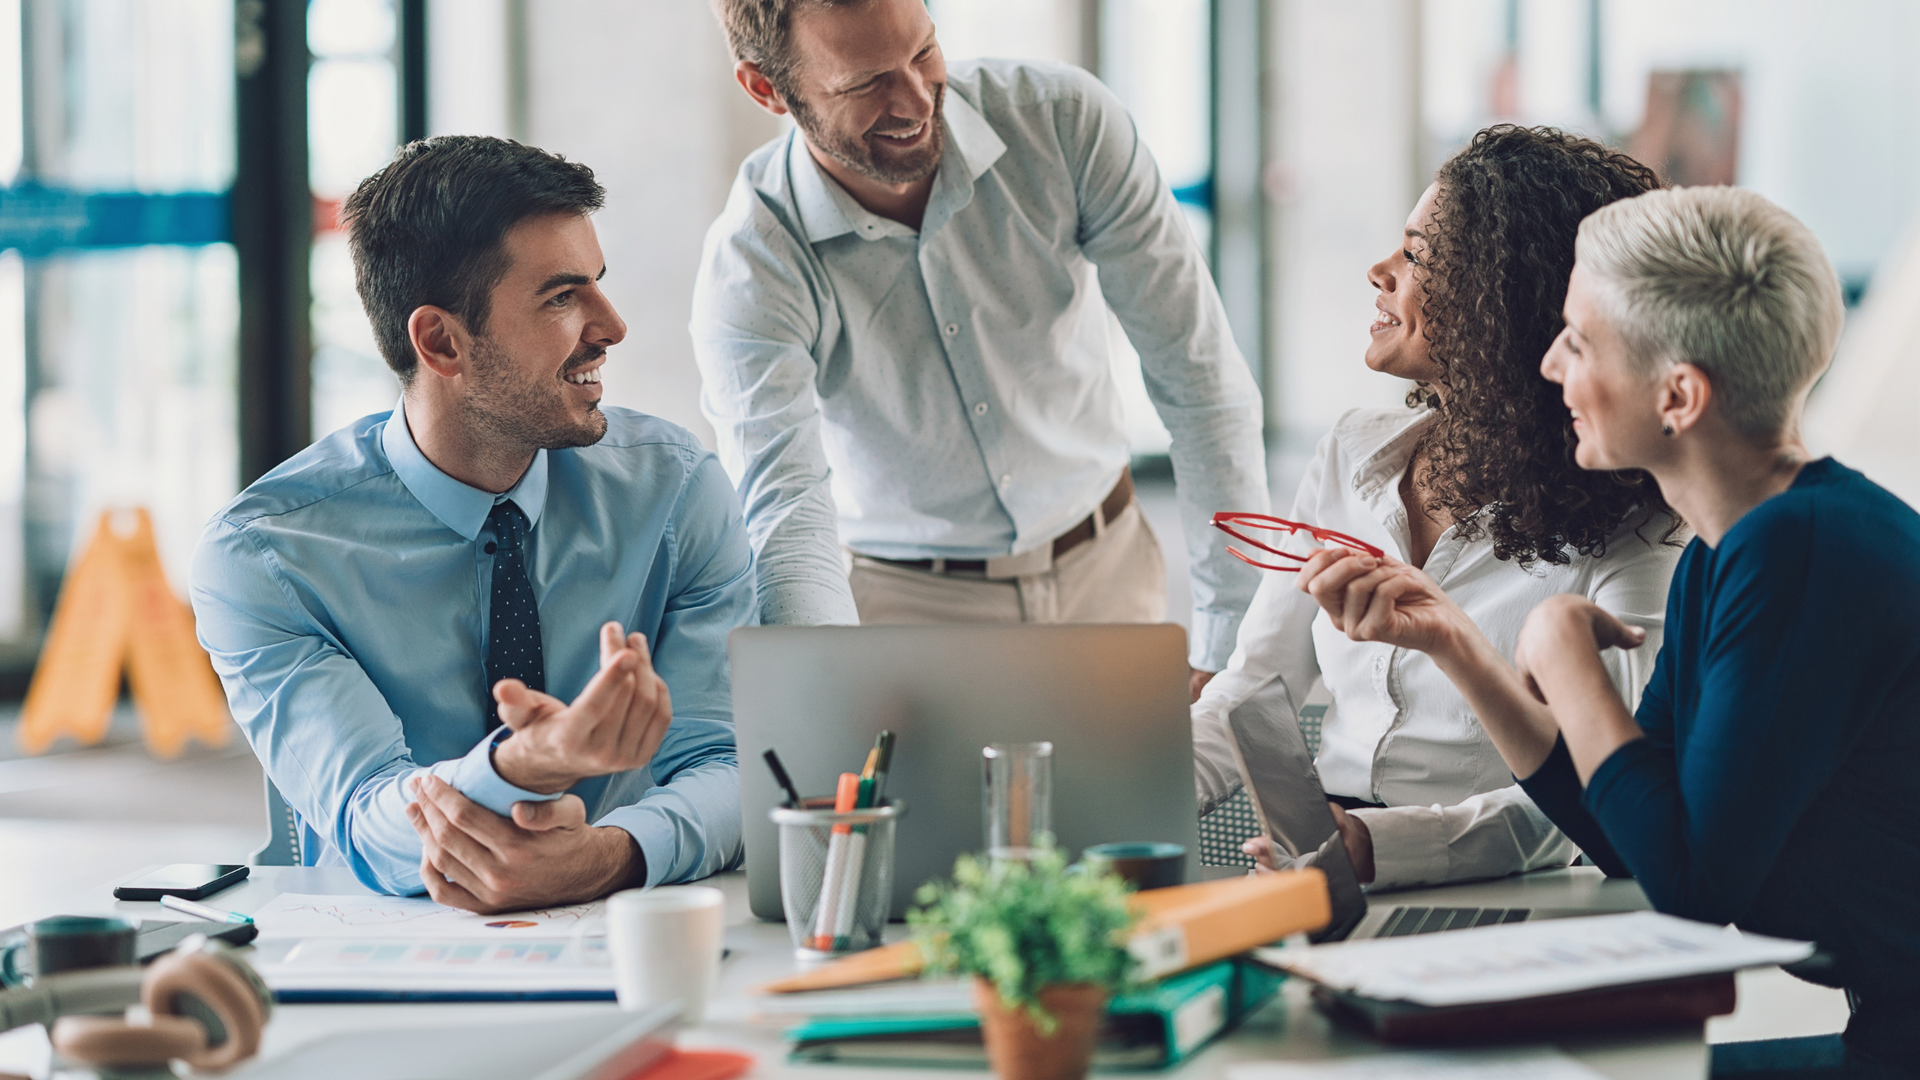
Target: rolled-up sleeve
{"x": 688, "y": 822}
{"x": 1274, "y": 644}
{"x": 754, "y": 324}
{"x": 323, "y": 731}
{"x": 1156, "y": 280}
{"x": 1491, "y": 834}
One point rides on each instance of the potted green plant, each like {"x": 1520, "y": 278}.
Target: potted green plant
{"x": 1045, "y": 947}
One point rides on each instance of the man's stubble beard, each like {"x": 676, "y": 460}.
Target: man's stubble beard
{"x": 533, "y": 416}
{"x": 855, "y": 153}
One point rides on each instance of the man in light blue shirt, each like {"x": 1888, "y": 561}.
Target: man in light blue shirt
{"x": 901, "y": 320}
{"x": 402, "y": 612}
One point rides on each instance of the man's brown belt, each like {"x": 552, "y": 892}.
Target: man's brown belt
{"x": 1110, "y": 508}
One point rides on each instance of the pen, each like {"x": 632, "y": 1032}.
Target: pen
{"x": 857, "y": 846}
{"x": 202, "y": 911}
{"x": 880, "y": 767}
{"x": 780, "y": 777}
{"x": 831, "y": 884}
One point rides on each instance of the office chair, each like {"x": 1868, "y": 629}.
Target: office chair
{"x": 283, "y": 833}
{"x": 1230, "y": 824}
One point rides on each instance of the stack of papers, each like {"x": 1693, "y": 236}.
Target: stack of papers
{"x": 1526, "y": 1063}
{"x": 338, "y": 947}
{"x": 1513, "y": 961}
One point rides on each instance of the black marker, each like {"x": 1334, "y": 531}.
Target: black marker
{"x": 885, "y": 746}
{"x": 780, "y": 777}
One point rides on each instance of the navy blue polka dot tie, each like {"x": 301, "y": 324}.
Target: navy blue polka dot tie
{"x": 513, "y": 620}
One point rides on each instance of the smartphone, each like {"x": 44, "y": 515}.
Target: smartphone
{"x": 188, "y": 881}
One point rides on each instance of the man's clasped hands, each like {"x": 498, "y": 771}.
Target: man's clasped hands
{"x": 545, "y": 852}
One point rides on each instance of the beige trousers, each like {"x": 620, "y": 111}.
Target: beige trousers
{"x": 1119, "y": 576}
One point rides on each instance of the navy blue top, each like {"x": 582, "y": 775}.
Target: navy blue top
{"x": 1778, "y": 786}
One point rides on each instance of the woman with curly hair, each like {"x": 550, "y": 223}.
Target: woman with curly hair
{"x": 1475, "y": 485}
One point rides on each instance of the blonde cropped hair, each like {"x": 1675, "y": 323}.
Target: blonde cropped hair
{"x": 1723, "y": 279}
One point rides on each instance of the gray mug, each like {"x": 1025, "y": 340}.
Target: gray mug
{"x": 65, "y": 943}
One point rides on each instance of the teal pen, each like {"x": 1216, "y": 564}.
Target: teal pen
{"x": 202, "y": 911}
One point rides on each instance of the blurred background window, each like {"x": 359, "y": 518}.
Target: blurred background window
{"x": 171, "y": 324}
{"x": 117, "y": 302}
{"x": 353, "y": 116}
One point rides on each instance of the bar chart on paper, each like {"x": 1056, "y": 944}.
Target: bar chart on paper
{"x": 321, "y": 948}
{"x": 305, "y": 915}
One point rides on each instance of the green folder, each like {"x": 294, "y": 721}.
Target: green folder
{"x": 1159, "y": 1026}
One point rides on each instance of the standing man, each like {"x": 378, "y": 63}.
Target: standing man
{"x": 480, "y": 642}
{"x": 901, "y": 323}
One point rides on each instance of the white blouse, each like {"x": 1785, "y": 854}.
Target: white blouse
{"x": 1398, "y": 732}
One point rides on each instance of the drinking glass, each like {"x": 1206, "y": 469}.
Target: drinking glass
{"x": 1017, "y": 797}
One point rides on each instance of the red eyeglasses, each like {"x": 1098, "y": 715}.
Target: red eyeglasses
{"x": 1231, "y": 523}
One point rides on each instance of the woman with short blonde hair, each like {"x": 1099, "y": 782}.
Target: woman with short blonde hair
{"x": 1770, "y": 777}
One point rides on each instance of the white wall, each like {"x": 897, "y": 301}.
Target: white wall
{"x": 1830, "y": 131}
{"x": 642, "y": 92}
{"x": 1344, "y": 178}
{"x": 1829, "y": 127}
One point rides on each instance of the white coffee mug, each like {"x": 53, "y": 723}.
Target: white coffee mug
{"x": 665, "y": 946}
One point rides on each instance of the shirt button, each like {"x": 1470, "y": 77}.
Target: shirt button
{"x": 1006, "y": 480}
{"x": 952, "y": 328}
{"x": 980, "y": 409}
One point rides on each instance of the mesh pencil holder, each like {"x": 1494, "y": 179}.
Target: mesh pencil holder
{"x": 836, "y": 886}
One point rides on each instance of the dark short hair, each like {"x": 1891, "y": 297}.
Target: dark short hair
{"x": 761, "y": 32}
{"x": 431, "y": 228}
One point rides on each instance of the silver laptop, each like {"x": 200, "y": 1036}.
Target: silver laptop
{"x": 1111, "y": 699}
{"x": 1278, "y": 772}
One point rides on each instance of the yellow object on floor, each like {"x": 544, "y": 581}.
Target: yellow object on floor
{"x": 116, "y": 612}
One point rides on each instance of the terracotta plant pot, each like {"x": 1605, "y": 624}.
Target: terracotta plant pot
{"x": 1018, "y": 1051}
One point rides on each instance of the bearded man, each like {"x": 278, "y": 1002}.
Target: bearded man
{"x": 901, "y": 321}
{"x": 479, "y": 642}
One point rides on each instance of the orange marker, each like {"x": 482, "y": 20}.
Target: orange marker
{"x": 827, "y": 912}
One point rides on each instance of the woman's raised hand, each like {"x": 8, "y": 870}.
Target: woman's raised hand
{"x": 1382, "y": 599}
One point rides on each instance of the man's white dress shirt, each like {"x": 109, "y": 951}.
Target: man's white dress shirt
{"x": 1399, "y": 732}
{"x": 947, "y": 392}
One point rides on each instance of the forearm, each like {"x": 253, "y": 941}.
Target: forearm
{"x": 372, "y": 829}
{"x": 1219, "y": 464}
{"x": 622, "y": 864}
{"x": 686, "y": 829}
{"x": 800, "y": 574}
{"x": 1586, "y": 708}
{"x": 1487, "y": 835}
{"x": 1522, "y": 729}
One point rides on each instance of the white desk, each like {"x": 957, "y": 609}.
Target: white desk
{"x": 1288, "y": 1029}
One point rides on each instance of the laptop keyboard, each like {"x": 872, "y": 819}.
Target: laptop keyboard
{"x": 1404, "y": 921}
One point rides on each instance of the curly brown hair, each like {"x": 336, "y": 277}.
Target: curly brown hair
{"x": 1499, "y": 254}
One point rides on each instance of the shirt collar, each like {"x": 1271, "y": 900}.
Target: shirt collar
{"x": 459, "y": 507}
{"x": 827, "y": 211}
{"x": 1380, "y": 452}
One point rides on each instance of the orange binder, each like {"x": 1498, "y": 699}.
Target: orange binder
{"x": 1180, "y": 928}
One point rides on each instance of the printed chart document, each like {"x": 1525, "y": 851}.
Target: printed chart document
{"x": 1507, "y": 1064}
{"x": 337, "y": 945}
{"x": 1512, "y": 961}
{"x": 305, "y": 915}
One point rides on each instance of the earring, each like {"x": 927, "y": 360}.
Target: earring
{"x": 1667, "y": 430}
